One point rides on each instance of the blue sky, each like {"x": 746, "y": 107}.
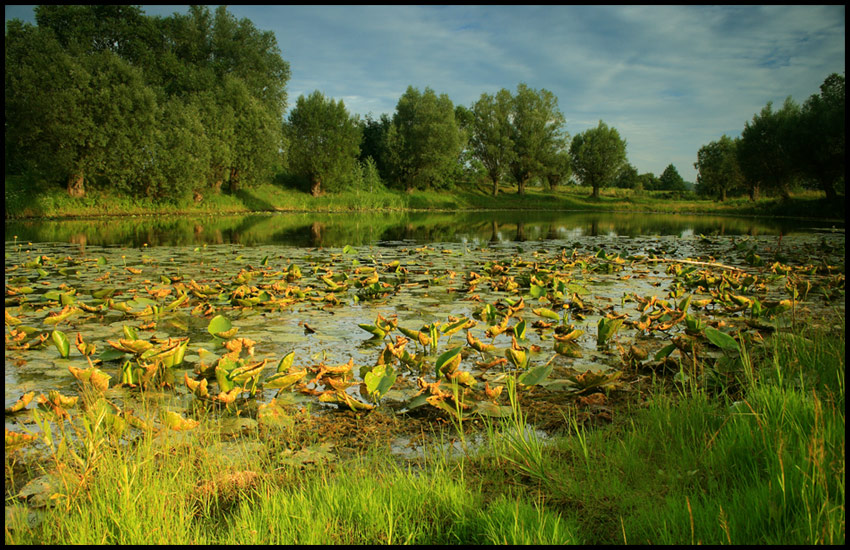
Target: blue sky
{"x": 669, "y": 78}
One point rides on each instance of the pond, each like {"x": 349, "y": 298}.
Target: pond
{"x": 317, "y": 229}
{"x": 413, "y": 314}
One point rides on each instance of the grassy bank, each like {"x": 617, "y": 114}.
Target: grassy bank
{"x": 758, "y": 459}
{"x": 23, "y": 200}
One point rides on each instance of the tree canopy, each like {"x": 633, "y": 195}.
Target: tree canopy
{"x": 717, "y": 167}
{"x": 105, "y": 96}
{"x": 424, "y": 140}
{"x": 598, "y": 155}
{"x": 324, "y": 141}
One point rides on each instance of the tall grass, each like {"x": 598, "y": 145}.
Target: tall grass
{"x": 686, "y": 467}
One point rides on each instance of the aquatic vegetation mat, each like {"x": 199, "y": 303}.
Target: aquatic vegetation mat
{"x": 345, "y": 346}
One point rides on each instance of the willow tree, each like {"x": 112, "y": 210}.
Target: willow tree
{"x": 536, "y": 132}
{"x": 324, "y": 141}
{"x": 598, "y": 155}
{"x": 718, "y": 172}
{"x": 424, "y": 140}
{"x": 490, "y": 137}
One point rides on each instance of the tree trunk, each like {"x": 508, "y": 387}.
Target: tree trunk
{"x": 315, "y": 187}
{"x": 520, "y": 184}
{"x": 75, "y": 186}
{"x": 495, "y": 187}
{"x": 595, "y": 193}
{"x": 218, "y": 175}
{"x": 829, "y": 189}
{"x": 234, "y": 180}
{"x": 754, "y": 192}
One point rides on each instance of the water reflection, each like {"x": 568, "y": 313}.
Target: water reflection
{"x": 330, "y": 230}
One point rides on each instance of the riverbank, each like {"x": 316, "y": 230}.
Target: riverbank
{"x": 22, "y": 202}
{"x": 759, "y": 460}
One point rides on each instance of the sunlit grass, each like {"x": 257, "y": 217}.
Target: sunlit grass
{"x": 26, "y": 199}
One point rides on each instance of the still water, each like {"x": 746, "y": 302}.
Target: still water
{"x": 329, "y": 230}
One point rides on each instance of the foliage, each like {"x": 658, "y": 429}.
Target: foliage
{"x": 424, "y": 140}
{"x": 820, "y": 150}
{"x": 718, "y": 170}
{"x": 598, "y": 155}
{"x": 324, "y": 141}
{"x": 106, "y": 97}
{"x": 766, "y": 147}
{"x": 670, "y": 180}
{"x": 536, "y": 131}
{"x": 491, "y": 134}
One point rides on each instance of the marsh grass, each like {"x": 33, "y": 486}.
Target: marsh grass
{"x": 686, "y": 467}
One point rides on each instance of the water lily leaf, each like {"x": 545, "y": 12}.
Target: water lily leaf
{"x": 417, "y": 401}
{"x": 283, "y": 380}
{"x": 60, "y": 340}
{"x": 175, "y": 421}
{"x": 240, "y": 375}
{"x": 225, "y": 384}
{"x": 664, "y": 352}
{"x": 372, "y": 329}
{"x": 15, "y": 440}
{"x": 136, "y": 347}
{"x": 197, "y": 387}
{"x": 286, "y": 363}
{"x": 547, "y": 313}
{"x": 111, "y": 354}
{"x": 379, "y": 380}
{"x": 448, "y": 361}
{"x": 463, "y": 377}
{"x": 721, "y": 339}
{"x": 340, "y": 397}
{"x": 488, "y": 408}
{"x": 591, "y": 382}
{"x": 220, "y": 326}
{"x": 92, "y": 375}
{"x": 607, "y": 328}
{"x": 64, "y": 314}
{"x": 476, "y": 344}
{"x": 535, "y": 375}
{"x": 519, "y": 330}
{"x": 21, "y": 403}
{"x": 568, "y": 348}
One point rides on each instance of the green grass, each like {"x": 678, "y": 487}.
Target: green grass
{"x": 762, "y": 465}
{"x": 25, "y": 199}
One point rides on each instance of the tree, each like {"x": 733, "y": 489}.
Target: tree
{"x": 628, "y": 178}
{"x": 424, "y": 139}
{"x": 374, "y": 142}
{"x": 104, "y": 95}
{"x": 491, "y": 134}
{"x": 670, "y": 180}
{"x": 598, "y": 155}
{"x": 766, "y": 148}
{"x": 718, "y": 172}
{"x": 557, "y": 168}
{"x": 78, "y": 118}
{"x": 536, "y": 131}
{"x": 324, "y": 141}
{"x": 820, "y": 143}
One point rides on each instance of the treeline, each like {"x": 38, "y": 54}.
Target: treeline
{"x": 794, "y": 146}
{"x": 107, "y": 97}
